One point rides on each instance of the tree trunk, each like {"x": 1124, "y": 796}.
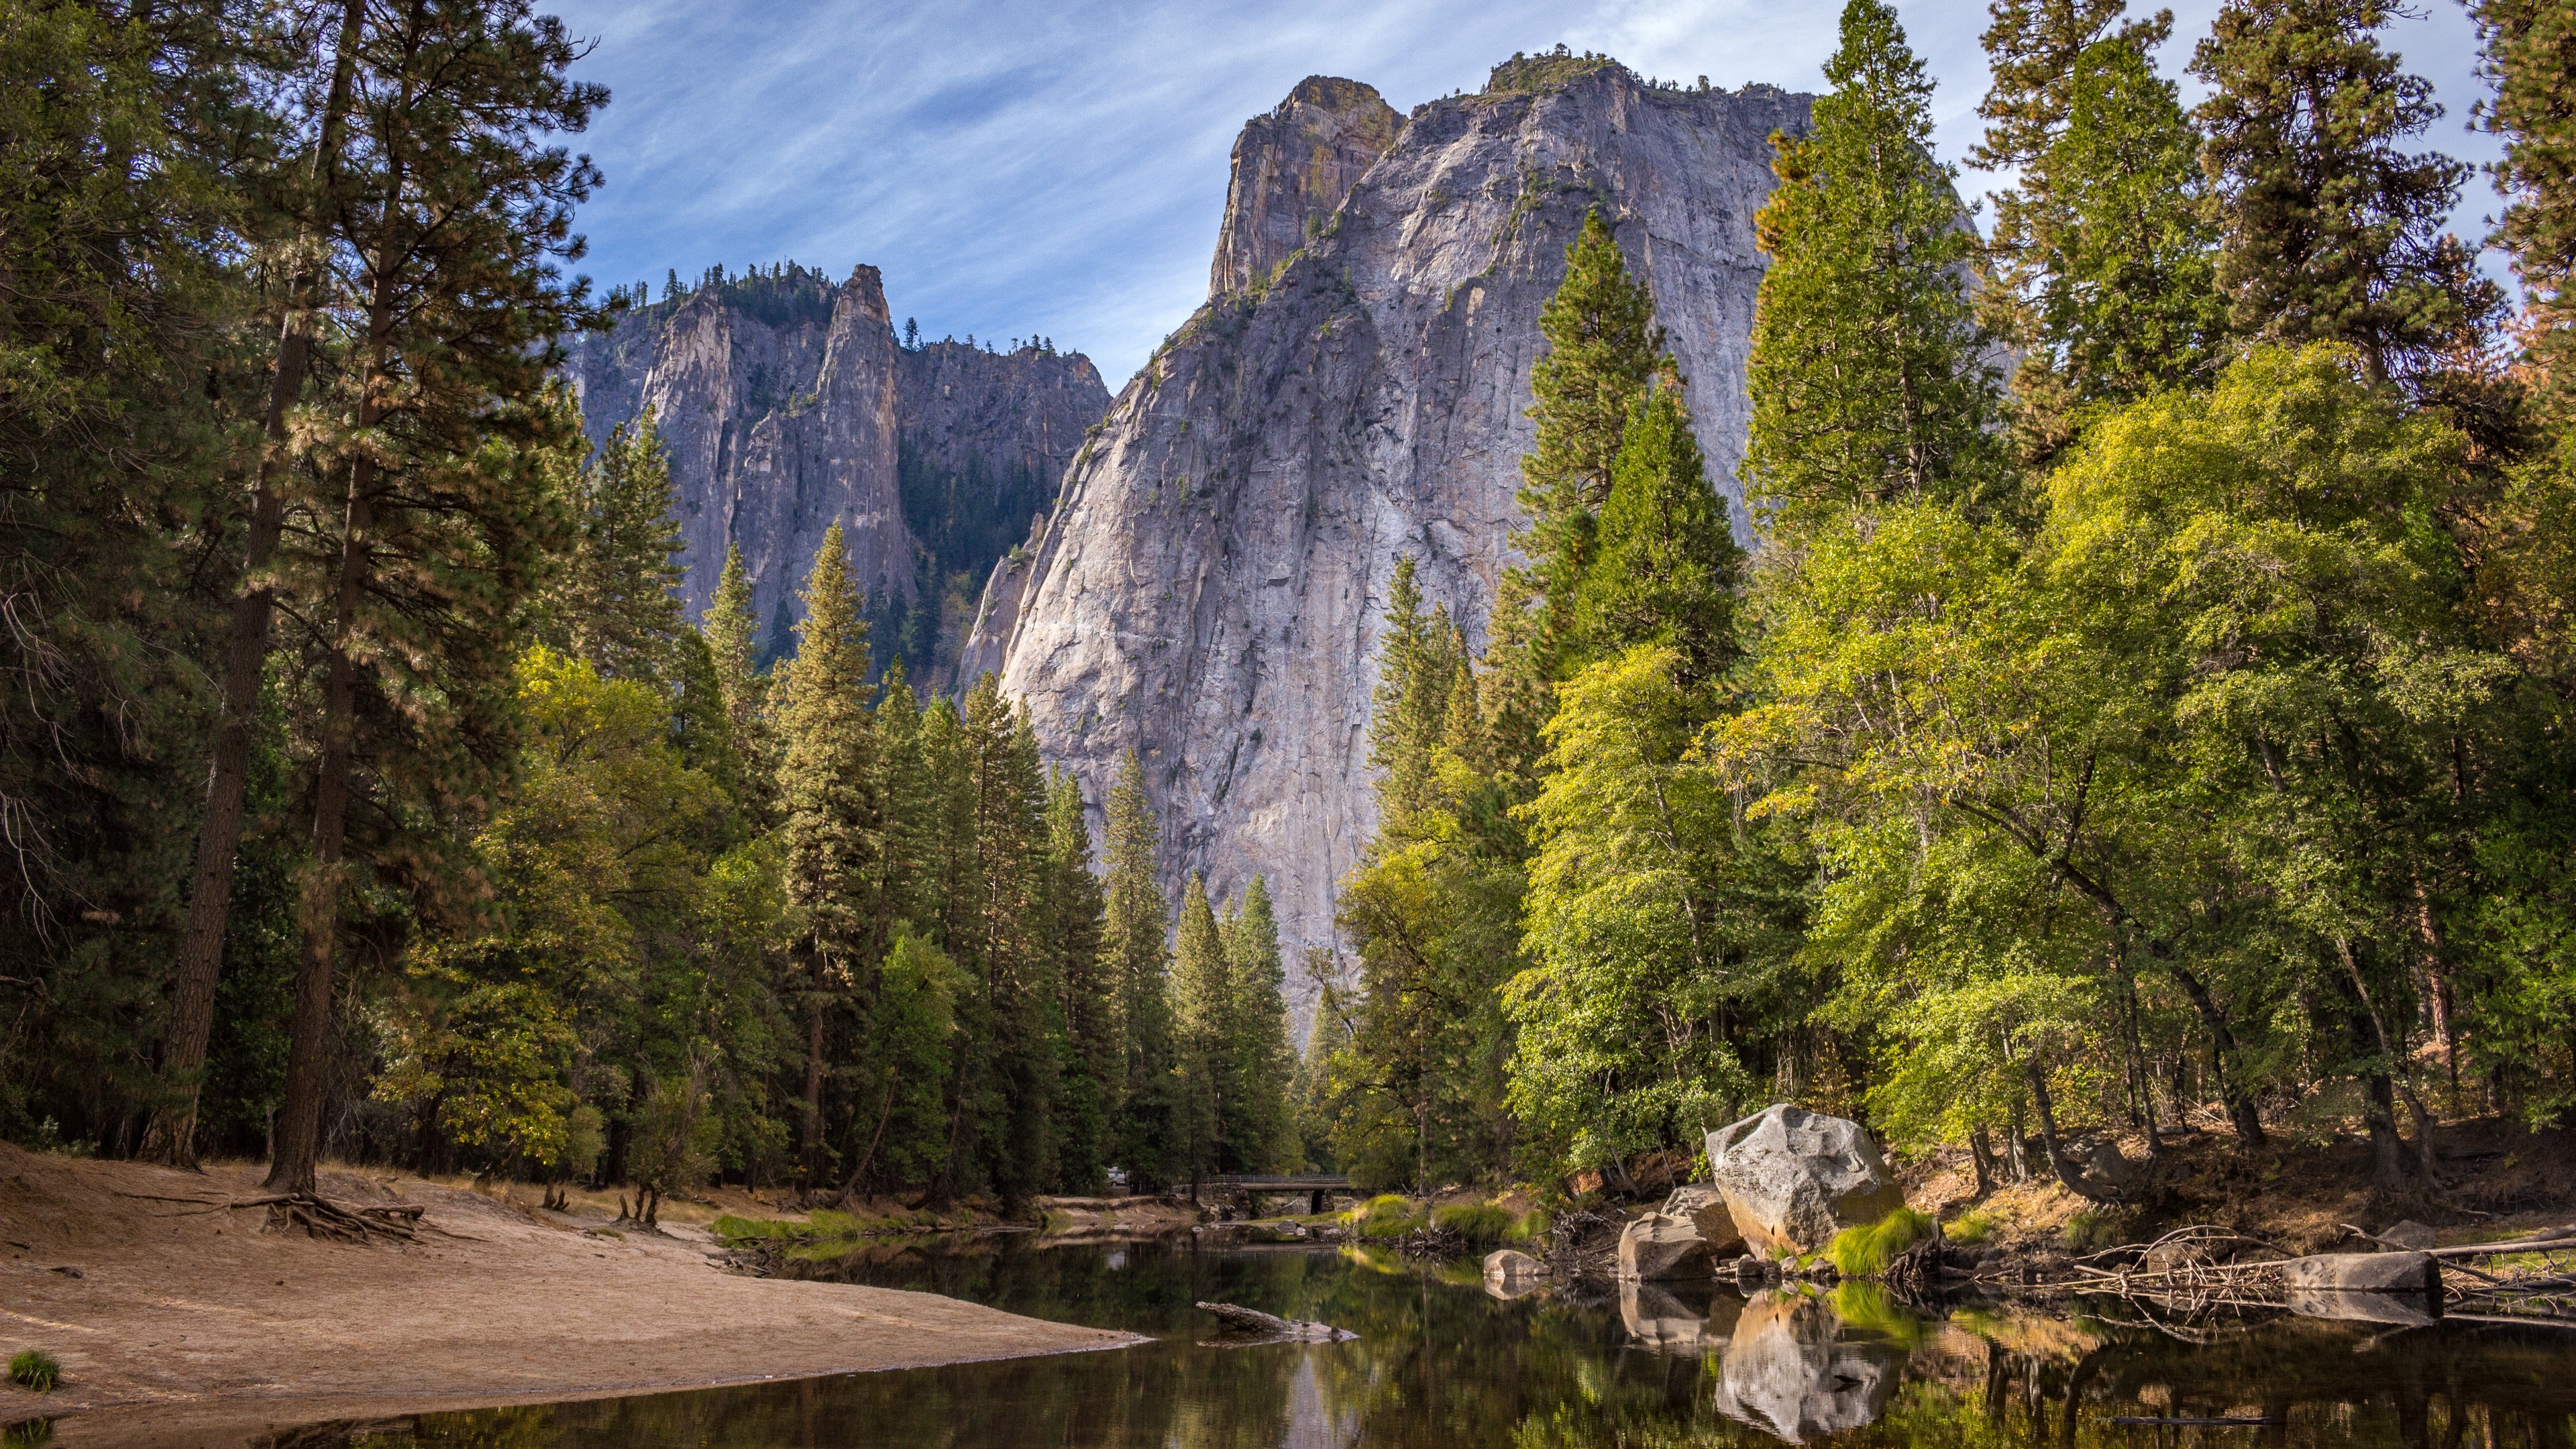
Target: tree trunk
{"x": 299, "y": 1128}
{"x": 172, "y": 1136}
{"x": 2231, "y": 1084}
{"x": 1982, "y": 1153}
{"x": 813, "y": 1092}
{"x": 2067, "y": 1172}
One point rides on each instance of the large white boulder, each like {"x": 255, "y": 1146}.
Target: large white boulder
{"x": 1793, "y": 1178}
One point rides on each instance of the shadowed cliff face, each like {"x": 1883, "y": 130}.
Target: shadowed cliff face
{"x": 1208, "y": 591}
{"x": 1291, "y": 170}
{"x": 786, "y": 403}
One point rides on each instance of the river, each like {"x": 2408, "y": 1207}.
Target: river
{"x": 1442, "y": 1363}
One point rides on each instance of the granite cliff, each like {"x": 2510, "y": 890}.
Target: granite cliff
{"x": 1208, "y": 589}
{"x": 787, "y": 402}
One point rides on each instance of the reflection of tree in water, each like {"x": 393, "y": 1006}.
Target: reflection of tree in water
{"x": 1440, "y": 1364}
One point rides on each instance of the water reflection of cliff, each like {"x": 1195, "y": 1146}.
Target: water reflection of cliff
{"x": 1579, "y": 1366}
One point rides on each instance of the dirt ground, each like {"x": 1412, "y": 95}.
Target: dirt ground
{"x": 2497, "y": 1179}
{"x": 180, "y": 1325}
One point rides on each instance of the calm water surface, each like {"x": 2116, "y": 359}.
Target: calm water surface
{"x": 1441, "y": 1363}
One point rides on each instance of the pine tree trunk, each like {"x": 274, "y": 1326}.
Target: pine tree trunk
{"x": 172, "y": 1136}
{"x": 299, "y": 1128}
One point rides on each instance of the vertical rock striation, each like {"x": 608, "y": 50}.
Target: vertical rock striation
{"x": 1208, "y": 590}
{"x": 787, "y": 403}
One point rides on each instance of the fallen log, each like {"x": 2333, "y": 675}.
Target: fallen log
{"x": 1270, "y": 1325}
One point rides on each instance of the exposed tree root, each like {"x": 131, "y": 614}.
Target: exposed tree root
{"x": 318, "y": 1216}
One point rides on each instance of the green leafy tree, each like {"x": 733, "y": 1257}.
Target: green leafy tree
{"x": 429, "y": 532}
{"x": 1602, "y": 346}
{"x": 1867, "y": 370}
{"x": 2530, "y": 55}
{"x": 1093, "y": 1054}
{"x": 2104, "y": 259}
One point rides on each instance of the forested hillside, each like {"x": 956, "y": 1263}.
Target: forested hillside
{"x": 502, "y": 863}
{"x": 2171, "y": 735}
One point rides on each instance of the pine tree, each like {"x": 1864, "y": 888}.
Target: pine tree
{"x": 1259, "y": 1134}
{"x": 733, "y": 653}
{"x": 829, "y": 794}
{"x": 1093, "y": 1057}
{"x": 1202, "y": 1019}
{"x": 1133, "y": 943}
{"x": 1866, "y": 372}
{"x": 1602, "y": 346}
{"x": 2331, "y": 231}
{"x": 619, "y": 600}
{"x": 311, "y": 195}
{"x": 1667, "y": 570}
{"x": 430, "y": 535}
{"x": 2103, "y": 258}
{"x": 2531, "y": 58}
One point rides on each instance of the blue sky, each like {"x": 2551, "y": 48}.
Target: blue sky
{"x": 1021, "y": 169}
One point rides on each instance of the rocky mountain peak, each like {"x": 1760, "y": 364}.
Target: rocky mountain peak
{"x": 1292, "y": 168}
{"x": 1210, "y": 587}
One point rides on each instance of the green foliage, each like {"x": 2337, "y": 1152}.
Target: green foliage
{"x": 2091, "y": 1231}
{"x": 2103, "y": 250}
{"x": 1865, "y": 1251}
{"x": 1867, "y": 370}
{"x": 35, "y": 1369}
{"x": 2530, "y": 55}
{"x": 1602, "y": 347}
{"x": 1478, "y": 1222}
{"x": 1529, "y": 1227}
{"x": 617, "y": 598}
{"x": 2330, "y": 231}
{"x": 1665, "y": 566}
{"x": 1385, "y": 1218}
{"x": 1971, "y": 1228}
{"x": 1134, "y": 924}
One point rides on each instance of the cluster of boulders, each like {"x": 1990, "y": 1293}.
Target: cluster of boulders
{"x": 1787, "y": 1180}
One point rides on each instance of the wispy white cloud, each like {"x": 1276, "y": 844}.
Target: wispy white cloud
{"x": 1022, "y": 168}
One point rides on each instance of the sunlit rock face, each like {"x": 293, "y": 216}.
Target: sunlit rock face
{"x": 1791, "y": 1368}
{"x": 786, "y": 404}
{"x": 1208, "y": 592}
{"x": 1292, "y": 168}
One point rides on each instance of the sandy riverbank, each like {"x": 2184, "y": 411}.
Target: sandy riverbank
{"x": 182, "y": 1327}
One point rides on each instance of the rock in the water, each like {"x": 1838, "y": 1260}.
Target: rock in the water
{"x": 1663, "y": 1245}
{"x": 1659, "y": 1320}
{"x": 1210, "y": 592}
{"x": 1789, "y": 1370}
{"x": 1707, "y": 1210}
{"x": 1793, "y": 1178}
{"x": 2409, "y": 1234}
{"x": 2413, "y": 1310}
{"x": 2415, "y": 1273}
{"x": 1512, "y": 1263}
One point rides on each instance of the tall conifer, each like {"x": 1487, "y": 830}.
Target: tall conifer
{"x": 1668, "y": 565}
{"x": 429, "y": 533}
{"x": 1202, "y": 1020}
{"x": 1093, "y": 1058}
{"x": 1259, "y": 1133}
{"x": 2333, "y": 231}
{"x": 1602, "y": 346}
{"x": 1866, "y": 370}
{"x": 829, "y": 793}
{"x": 620, "y": 597}
{"x": 1135, "y": 932}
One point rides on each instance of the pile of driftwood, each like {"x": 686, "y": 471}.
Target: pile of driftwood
{"x": 2196, "y": 1269}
